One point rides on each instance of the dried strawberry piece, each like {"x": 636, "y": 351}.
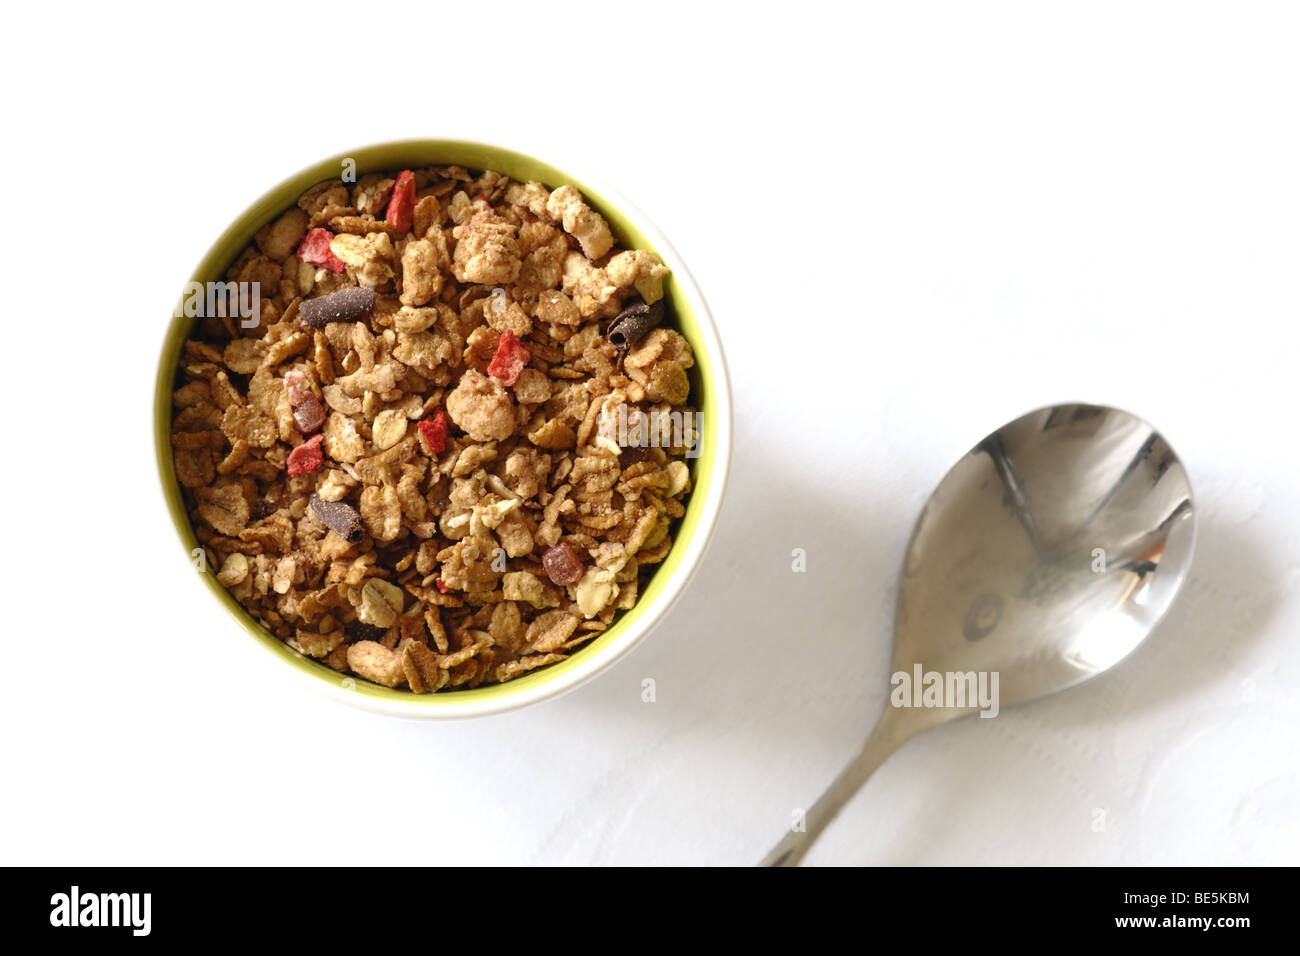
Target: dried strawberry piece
{"x": 401, "y": 207}
{"x": 510, "y": 359}
{"x": 306, "y": 458}
{"x": 442, "y": 588}
{"x": 434, "y": 432}
{"x": 562, "y": 563}
{"x": 315, "y": 250}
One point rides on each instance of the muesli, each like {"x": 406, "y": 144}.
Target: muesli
{"x": 414, "y": 465}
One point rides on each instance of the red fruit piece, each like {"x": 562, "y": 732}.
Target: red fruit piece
{"x": 306, "y": 458}
{"x": 562, "y": 563}
{"x": 315, "y": 250}
{"x": 442, "y": 588}
{"x": 510, "y": 359}
{"x": 434, "y": 431}
{"x": 401, "y": 207}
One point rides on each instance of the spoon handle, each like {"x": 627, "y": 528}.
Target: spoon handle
{"x": 884, "y": 740}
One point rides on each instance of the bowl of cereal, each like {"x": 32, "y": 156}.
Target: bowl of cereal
{"x": 444, "y": 428}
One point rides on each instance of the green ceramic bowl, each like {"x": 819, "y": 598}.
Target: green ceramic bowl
{"x": 709, "y": 390}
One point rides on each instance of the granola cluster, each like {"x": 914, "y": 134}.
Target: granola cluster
{"x": 399, "y": 469}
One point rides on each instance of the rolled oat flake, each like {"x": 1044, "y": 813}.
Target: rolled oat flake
{"x": 345, "y": 305}
{"x": 340, "y": 518}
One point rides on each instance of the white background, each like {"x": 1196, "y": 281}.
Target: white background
{"x": 912, "y": 222}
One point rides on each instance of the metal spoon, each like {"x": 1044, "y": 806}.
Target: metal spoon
{"x": 1044, "y": 556}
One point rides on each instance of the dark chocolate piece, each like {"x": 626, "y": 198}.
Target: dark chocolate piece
{"x": 361, "y": 631}
{"x": 345, "y": 305}
{"x": 633, "y": 454}
{"x": 340, "y": 518}
{"x": 634, "y": 323}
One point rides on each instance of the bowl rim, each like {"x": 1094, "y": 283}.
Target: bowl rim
{"x": 515, "y": 694}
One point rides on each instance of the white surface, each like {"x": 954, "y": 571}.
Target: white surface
{"x": 910, "y": 226}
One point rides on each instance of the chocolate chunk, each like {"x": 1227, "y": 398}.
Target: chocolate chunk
{"x": 345, "y": 305}
{"x": 342, "y": 519}
{"x": 361, "y": 631}
{"x": 634, "y": 323}
{"x": 633, "y": 454}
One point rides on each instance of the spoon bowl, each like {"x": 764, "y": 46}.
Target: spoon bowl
{"x": 1044, "y": 556}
